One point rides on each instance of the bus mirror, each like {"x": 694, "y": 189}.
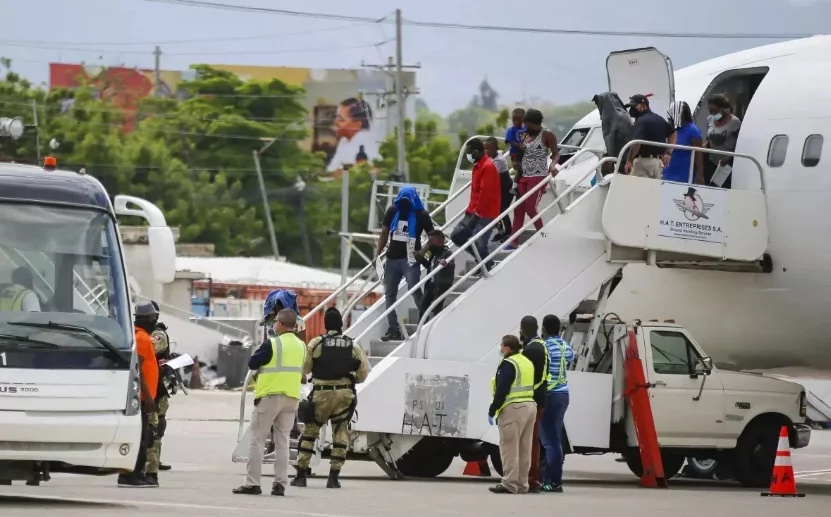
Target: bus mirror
{"x": 162, "y": 253}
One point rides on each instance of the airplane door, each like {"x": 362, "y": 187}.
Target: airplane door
{"x": 644, "y": 71}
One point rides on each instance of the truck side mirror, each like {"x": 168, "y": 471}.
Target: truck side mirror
{"x": 705, "y": 364}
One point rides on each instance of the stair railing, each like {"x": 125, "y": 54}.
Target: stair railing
{"x": 366, "y": 268}
{"x": 536, "y": 188}
{"x": 493, "y": 254}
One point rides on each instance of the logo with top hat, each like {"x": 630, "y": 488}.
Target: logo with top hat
{"x": 692, "y": 206}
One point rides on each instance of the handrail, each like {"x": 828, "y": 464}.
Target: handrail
{"x": 456, "y": 253}
{"x": 438, "y": 300}
{"x": 694, "y": 150}
{"x": 219, "y": 326}
{"x": 245, "y": 384}
{"x": 366, "y": 268}
{"x": 375, "y": 285}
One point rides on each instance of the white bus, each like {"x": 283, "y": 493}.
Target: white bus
{"x": 69, "y": 378}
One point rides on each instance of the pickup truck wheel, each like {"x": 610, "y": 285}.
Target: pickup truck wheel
{"x": 672, "y": 463}
{"x": 700, "y": 468}
{"x": 429, "y": 458}
{"x": 756, "y": 453}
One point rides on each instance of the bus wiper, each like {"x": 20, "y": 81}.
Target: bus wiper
{"x": 27, "y": 342}
{"x": 75, "y": 328}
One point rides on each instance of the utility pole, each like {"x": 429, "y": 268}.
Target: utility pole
{"x": 399, "y": 99}
{"x": 37, "y": 131}
{"x": 157, "y": 72}
{"x": 395, "y": 70}
{"x": 266, "y": 206}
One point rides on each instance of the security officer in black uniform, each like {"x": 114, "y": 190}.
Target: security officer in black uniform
{"x": 337, "y": 364}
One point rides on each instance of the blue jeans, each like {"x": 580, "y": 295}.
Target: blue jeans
{"x": 394, "y": 271}
{"x": 551, "y": 434}
{"x": 484, "y": 240}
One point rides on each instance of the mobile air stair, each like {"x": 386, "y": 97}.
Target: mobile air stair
{"x": 436, "y": 383}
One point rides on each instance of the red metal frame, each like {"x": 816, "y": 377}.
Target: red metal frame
{"x": 637, "y": 392}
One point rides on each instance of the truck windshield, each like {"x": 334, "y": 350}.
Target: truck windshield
{"x": 61, "y": 267}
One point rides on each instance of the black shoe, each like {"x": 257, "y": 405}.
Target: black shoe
{"x": 162, "y": 466}
{"x": 248, "y": 490}
{"x": 534, "y": 489}
{"x": 278, "y": 489}
{"x": 33, "y": 482}
{"x": 552, "y": 489}
{"x": 130, "y": 481}
{"x": 333, "y": 479}
{"x": 5, "y": 482}
{"x": 299, "y": 478}
{"x": 392, "y": 335}
{"x": 500, "y": 489}
{"x": 152, "y": 478}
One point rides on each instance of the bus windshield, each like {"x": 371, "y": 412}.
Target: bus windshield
{"x": 62, "y": 282}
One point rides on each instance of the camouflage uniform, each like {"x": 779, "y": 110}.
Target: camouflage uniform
{"x": 157, "y": 419}
{"x": 331, "y": 405}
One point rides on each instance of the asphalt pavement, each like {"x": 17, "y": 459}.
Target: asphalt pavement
{"x": 202, "y": 433}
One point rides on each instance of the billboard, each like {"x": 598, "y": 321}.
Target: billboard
{"x": 343, "y": 125}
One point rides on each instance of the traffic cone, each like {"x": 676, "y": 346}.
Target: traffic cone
{"x": 196, "y": 376}
{"x": 782, "y": 483}
{"x": 477, "y": 468}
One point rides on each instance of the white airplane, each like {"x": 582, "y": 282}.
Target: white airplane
{"x": 774, "y": 322}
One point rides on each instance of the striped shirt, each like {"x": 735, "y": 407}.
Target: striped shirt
{"x": 535, "y": 157}
{"x": 560, "y": 353}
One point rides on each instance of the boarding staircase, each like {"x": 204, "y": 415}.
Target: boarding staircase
{"x": 429, "y": 383}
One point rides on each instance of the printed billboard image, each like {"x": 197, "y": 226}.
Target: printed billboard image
{"x": 347, "y": 116}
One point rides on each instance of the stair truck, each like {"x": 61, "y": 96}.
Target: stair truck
{"x": 69, "y": 377}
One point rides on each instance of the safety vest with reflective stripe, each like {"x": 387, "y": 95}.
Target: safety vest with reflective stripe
{"x": 546, "y": 376}
{"x": 284, "y": 371}
{"x": 522, "y": 390}
{"x": 561, "y": 371}
{"x": 12, "y": 298}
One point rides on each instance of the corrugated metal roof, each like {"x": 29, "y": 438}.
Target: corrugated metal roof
{"x": 259, "y": 271}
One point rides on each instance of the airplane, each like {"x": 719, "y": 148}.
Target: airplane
{"x": 768, "y": 322}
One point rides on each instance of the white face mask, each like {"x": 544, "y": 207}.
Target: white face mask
{"x": 469, "y": 158}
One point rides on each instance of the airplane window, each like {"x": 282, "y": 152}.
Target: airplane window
{"x": 778, "y": 150}
{"x": 812, "y": 150}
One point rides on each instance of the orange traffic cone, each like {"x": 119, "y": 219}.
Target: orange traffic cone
{"x": 782, "y": 483}
{"x": 196, "y": 376}
{"x": 477, "y": 468}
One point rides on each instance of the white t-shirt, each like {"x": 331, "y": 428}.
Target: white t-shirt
{"x": 348, "y": 150}
{"x": 31, "y": 302}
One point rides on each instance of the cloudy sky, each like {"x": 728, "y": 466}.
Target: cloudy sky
{"x": 558, "y": 68}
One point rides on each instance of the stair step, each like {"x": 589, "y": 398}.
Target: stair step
{"x": 411, "y": 328}
{"x": 412, "y": 315}
{"x": 378, "y": 348}
{"x": 586, "y": 307}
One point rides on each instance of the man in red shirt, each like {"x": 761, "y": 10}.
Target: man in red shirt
{"x": 485, "y": 195}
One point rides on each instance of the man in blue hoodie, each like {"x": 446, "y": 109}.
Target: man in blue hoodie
{"x": 404, "y": 222}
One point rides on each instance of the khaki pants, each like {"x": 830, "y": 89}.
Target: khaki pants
{"x": 516, "y": 433}
{"x": 648, "y": 168}
{"x": 276, "y": 410}
{"x": 329, "y": 405}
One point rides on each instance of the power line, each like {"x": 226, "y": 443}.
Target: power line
{"x": 186, "y": 41}
{"x": 490, "y": 28}
{"x": 217, "y": 53}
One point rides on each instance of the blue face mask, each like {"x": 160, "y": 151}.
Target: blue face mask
{"x": 718, "y": 116}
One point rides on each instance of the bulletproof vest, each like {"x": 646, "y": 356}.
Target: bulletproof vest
{"x": 163, "y": 350}
{"x": 335, "y": 361}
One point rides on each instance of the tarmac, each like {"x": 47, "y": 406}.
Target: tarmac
{"x": 202, "y": 432}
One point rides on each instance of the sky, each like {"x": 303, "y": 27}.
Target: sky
{"x": 520, "y": 66}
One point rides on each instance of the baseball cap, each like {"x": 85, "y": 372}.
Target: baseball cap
{"x": 637, "y": 99}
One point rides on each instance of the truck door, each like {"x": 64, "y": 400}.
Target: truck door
{"x": 645, "y": 71}
{"x": 671, "y": 366}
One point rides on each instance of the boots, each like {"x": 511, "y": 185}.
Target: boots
{"x": 333, "y": 479}
{"x": 299, "y": 478}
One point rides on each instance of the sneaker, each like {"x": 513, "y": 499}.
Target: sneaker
{"x": 534, "y": 489}
{"x": 162, "y": 466}
{"x": 553, "y": 489}
{"x": 134, "y": 482}
{"x": 278, "y": 489}
{"x": 392, "y": 335}
{"x": 500, "y": 489}
{"x": 248, "y": 490}
{"x": 153, "y": 479}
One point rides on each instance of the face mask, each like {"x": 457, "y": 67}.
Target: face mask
{"x": 470, "y": 158}
{"x": 634, "y": 113}
{"x": 717, "y": 116}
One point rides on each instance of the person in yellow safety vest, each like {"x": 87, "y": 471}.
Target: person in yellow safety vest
{"x": 279, "y": 362}
{"x": 515, "y": 411}
{"x": 20, "y": 296}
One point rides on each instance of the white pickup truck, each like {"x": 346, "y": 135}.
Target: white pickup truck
{"x": 699, "y": 411}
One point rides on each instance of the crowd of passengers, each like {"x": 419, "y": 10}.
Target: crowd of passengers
{"x": 532, "y": 156}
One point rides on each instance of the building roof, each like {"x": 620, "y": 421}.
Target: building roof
{"x": 259, "y": 271}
